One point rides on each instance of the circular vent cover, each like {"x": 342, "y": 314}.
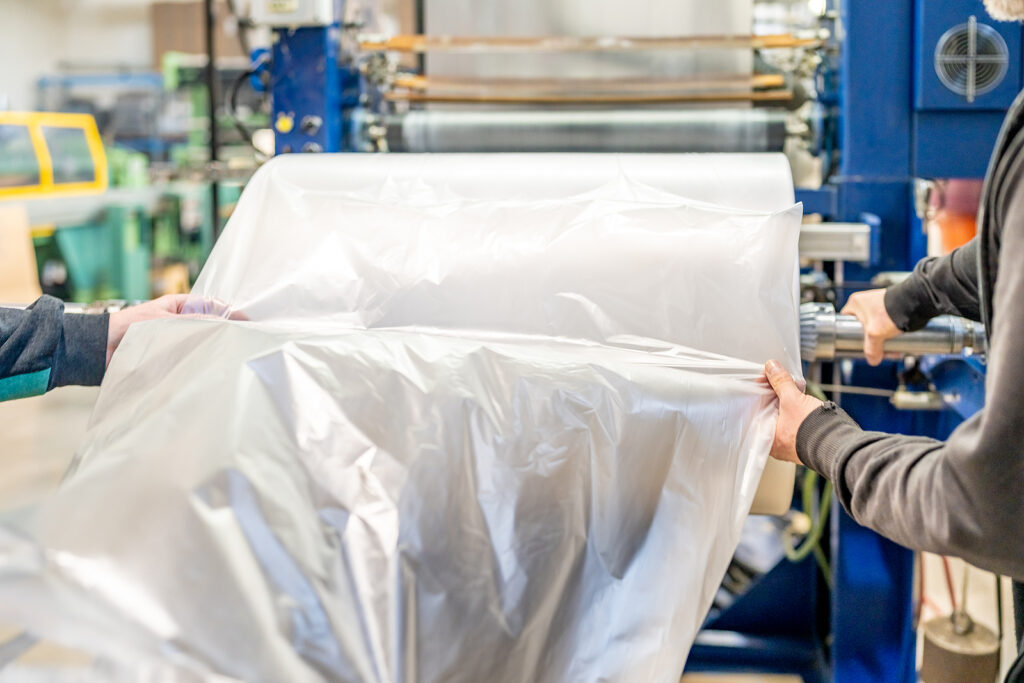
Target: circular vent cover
{"x": 971, "y": 59}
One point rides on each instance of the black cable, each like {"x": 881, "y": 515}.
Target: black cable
{"x": 243, "y": 24}
{"x": 999, "y": 608}
{"x": 233, "y": 104}
{"x": 236, "y": 87}
{"x": 211, "y": 110}
{"x": 421, "y": 28}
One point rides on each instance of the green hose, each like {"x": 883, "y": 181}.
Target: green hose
{"x": 812, "y": 541}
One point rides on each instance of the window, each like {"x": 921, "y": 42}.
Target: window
{"x": 19, "y": 166}
{"x": 69, "y": 154}
{"x": 47, "y": 154}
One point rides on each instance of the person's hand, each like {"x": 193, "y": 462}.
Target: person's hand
{"x": 869, "y": 308}
{"x": 120, "y": 321}
{"x": 794, "y": 407}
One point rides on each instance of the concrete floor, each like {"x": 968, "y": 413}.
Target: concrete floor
{"x": 39, "y": 440}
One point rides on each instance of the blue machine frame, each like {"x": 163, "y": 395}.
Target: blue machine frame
{"x": 896, "y": 122}
{"x": 909, "y": 126}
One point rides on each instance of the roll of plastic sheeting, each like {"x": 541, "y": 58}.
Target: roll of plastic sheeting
{"x": 458, "y": 439}
{"x": 628, "y": 130}
{"x": 751, "y": 182}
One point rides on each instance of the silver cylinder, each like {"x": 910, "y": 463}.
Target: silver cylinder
{"x": 627, "y": 130}
{"x": 825, "y": 335}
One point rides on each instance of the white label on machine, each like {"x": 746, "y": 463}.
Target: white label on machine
{"x": 294, "y": 12}
{"x": 282, "y": 6}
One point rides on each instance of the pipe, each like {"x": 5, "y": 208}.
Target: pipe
{"x": 825, "y": 336}
{"x": 211, "y": 109}
{"x": 779, "y": 95}
{"x": 578, "y": 130}
{"x": 555, "y": 86}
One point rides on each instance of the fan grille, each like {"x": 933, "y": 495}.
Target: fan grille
{"x": 971, "y": 59}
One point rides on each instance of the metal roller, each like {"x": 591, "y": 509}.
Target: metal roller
{"x": 824, "y": 335}
{"x": 630, "y": 130}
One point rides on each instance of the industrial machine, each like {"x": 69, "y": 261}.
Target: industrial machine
{"x": 866, "y": 98}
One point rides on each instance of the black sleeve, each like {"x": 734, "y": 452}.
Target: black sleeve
{"x": 960, "y": 497}
{"x": 943, "y": 285}
{"x": 41, "y": 348}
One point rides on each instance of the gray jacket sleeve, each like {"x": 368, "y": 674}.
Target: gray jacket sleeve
{"x": 946, "y": 285}
{"x": 964, "y": 496}
{"x": 42, "y": 347}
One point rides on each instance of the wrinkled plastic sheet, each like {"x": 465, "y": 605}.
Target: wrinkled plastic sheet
{"x": 457, "y": 439}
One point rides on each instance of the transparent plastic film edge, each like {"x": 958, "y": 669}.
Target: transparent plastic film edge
{"x": 34, "y": 123}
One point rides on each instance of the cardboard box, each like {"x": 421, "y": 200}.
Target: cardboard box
{"x": 179, "y": 27}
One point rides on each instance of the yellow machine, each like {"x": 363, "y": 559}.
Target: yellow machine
{"x": 50, "y": 154}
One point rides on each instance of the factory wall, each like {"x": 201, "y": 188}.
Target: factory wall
{"x": 37, "y": 35}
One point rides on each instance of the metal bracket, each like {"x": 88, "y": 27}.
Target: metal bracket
{"x": 836, "y": 242}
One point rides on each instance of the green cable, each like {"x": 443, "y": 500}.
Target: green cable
{"x": 826, "y": 570}
{"x": 817, "y": 525}
{"x": 812, "y": 541}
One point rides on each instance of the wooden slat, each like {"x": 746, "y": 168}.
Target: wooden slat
{"x": 485, "y": 44}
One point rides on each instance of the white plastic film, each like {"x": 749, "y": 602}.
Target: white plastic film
{"x": 460, "y": 437}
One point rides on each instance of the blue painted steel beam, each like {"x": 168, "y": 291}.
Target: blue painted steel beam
{"x": 824, "y": 201}
{"x": 872, "y": 607}
{"x": 872, "y": 631}
{"x": 306, "y": 90}
{"x": 954, "y": 144}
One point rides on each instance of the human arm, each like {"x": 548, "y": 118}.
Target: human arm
{"x": 959, "y": 497}
{"x": 943, "y": 285}
{"x": 42, "y": 347}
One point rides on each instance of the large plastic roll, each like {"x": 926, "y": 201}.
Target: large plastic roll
{"x": 752, "y": 182}
{"x": 629, "y": 130}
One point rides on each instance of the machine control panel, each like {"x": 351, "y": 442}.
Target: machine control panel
{"x": 295, "y": 13}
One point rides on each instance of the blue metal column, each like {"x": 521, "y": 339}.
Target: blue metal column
{"x": 872, "y": 631}
{"x": 306, "y": 90}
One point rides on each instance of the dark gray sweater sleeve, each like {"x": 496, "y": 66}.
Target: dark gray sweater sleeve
{"x": 964, "y": 496}
{"x": 945, "y": 285}
{"x": 42, "y": 347}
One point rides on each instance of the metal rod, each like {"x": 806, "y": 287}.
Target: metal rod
{"x": 962, "y": 622}
{"x": 733, "y": 82}
{"x": 861, "y": 391}
{"x": 825, "y": 335}
{"x": 211, "y": 110}
{"x": 766, "y": 96}
{"x": 999, "y": 607}
{"x": 491, "y": 44}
